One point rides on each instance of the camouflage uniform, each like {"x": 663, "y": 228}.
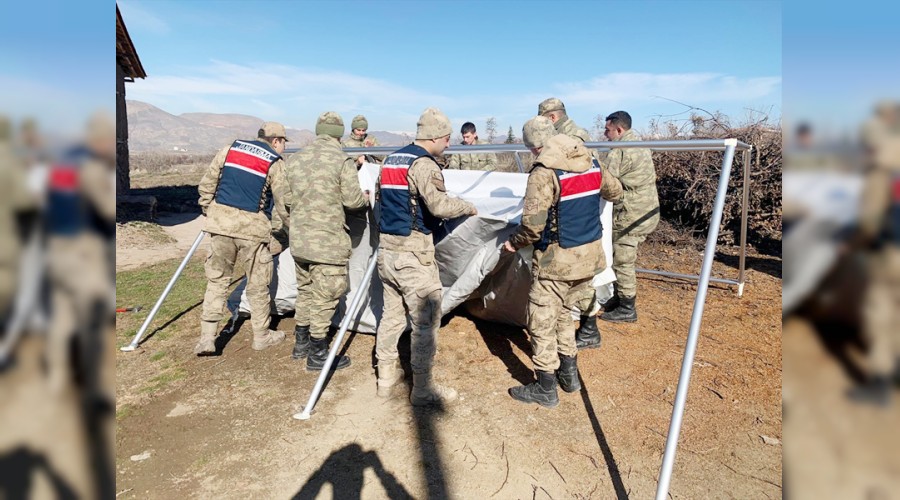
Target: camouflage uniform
{"x": 323, "y": 183}
{"x": 473, "y": 161}
{"x": 78, "y": 268}
{"x": 566, "y": 126}
{"x": 637, "y": 214}
{"x": 560, "y": 275}
{"x": 240, "y": 236}
{"x": 880, "y": 222}
{"x": 366, "y": 141}
{"x": 412, "y": 286}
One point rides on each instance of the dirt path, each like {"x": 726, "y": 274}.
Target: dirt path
{"x": 221, "y": 426}
{"x": 181, "y": 227}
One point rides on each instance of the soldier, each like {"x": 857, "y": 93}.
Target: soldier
{"x": 323, "y": 184}
{"x": 81, "y": 212}
{"x": 473, "y": 161}
{"x": 360, "y": 139}
{"x": 238, "y": 192}
{"x": 413, "y": 200}
{"x": 880, "y": 222}
{"x": 555, "y": 110}
{"x": 561, "y": 218}
{"x": 587, "y": 335}
{"x": 634, "y": 216}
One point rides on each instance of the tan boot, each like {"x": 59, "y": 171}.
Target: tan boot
{"x": 207, "y": 343}
{"x": 263, "y": 341}
{"x": 426, "y": 392}
{"x": 389, "y": 373}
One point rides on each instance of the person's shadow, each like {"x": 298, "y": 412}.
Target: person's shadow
{"x": 17, "y": 471}
{"x": 344, "y": 470}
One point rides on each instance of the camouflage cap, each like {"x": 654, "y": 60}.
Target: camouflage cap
{"x": 360, "y": 122}
{"x": 562, "y": 152}
{"x": 537, "y": 131}
{"x": 101, "y": 125}
{"x": 272, "y": 129}
{"x": 551, "y": 104}
{"x": 433, "y": 124}
{"x": 331, "y": 124}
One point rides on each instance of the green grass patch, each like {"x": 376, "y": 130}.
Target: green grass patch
{"x": 142, "y": 287}
{"x": 157, "y": 356}
{"x": 164, "y": 379}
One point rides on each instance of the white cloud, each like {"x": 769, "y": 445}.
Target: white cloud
{"x": 296, "y": 95}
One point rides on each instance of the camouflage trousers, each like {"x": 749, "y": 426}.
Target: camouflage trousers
{"x": 80, "y": 288}
{"x": 412, "y": 288}
{"x": 256, "y": 260}
{"x": 881, "y": 314}
{"x": 319, "y": 288}
{"x": 624, "y": 256}
{"x": 550, "y": 324}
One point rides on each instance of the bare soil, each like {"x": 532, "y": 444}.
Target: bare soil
{"x": 221, "y": 426}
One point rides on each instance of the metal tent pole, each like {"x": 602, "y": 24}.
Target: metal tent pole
{"x": 745, "y": 203}
{"x": 345, "y": 323}
{"x": 137, "y": 337}
{"x": 684, "y": 380}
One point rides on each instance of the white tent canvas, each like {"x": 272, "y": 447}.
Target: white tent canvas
{"x": 467, "y": 250}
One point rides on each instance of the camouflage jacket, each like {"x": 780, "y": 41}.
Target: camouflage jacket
{"x": 557, "y": 263}
{"x": 426, "y": 180}
{"x": 367, "y": 141}
{"x": 638, "y": 211}
{"x": 237, "y": 223}
{"x": 568, "y": 127}
{"x": 474, "y": 161}
{"x": 324, "y": 183}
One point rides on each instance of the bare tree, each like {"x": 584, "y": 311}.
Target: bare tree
{"x": 490, "y": 127}
{"x": 599, "y": 127}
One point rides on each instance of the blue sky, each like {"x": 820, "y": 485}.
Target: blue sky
{"x": 290, "y": 61}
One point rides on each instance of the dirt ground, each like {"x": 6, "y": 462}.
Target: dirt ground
{"x": 221, "y": 426}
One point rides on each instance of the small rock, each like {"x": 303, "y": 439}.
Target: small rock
{"x": 769, "y": 440}
{"x": 181, "y": 409}
{"x": 143, "y": 456}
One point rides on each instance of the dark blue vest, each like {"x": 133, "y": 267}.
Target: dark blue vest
{"x": 242, "y": 183}
{"x": 67, "y": 211}
{"x": 402, "y": 214}
{"x": 576, "y": 213}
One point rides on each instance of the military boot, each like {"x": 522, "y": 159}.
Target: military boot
{"x": 207, "y": 343}
{"x": 318, "y": 353}
{"x": 876, "y": 391}
{"x": 542, "y": 391}
{"x": 426, "y": 392}
{"x": 625, "y": 313}
{"x": 588, "y": 335}
{"x": 262, "y": 341}
{"x": 389, "y": 373}
{"x": 611, "y": 304}
{"x": 567, "y": 375}
{"x": 301, "y": 342}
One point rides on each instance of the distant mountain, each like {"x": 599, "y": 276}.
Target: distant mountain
{"x": 150, "y": 129}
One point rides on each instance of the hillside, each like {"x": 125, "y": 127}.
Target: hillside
{"x": 151, "y": 129}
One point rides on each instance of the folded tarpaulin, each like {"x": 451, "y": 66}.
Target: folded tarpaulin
{"x": 467, "y": 250}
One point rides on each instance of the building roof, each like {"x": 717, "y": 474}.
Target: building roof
{"x": 126, "y": 55}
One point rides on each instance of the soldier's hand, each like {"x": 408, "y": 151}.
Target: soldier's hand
{"x": 508, "y": 246}
{"x": 473, "y": 211}
{"x": 275, "y": 246}
{"x": 360, "y": 160}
